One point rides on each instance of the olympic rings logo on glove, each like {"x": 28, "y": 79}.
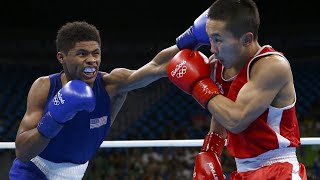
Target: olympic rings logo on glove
{"x": 176, "y": 70}
{"x": 55, "y": 100}
{"x": 182, "y": 71}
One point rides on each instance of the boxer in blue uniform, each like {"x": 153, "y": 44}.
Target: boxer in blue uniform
{"x": 69, "y": 113}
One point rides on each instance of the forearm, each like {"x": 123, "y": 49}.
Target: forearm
{"x": 150, "y": 72}
{"x": 216, "y": 127}
{"x": 166, "y": 54}
{"x": 227, "y": 113}
{"x": 29, "y": 144}
{"x": 162, "y": 59}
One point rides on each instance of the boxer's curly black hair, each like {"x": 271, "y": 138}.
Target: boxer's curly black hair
{"x": 72, "y": 32}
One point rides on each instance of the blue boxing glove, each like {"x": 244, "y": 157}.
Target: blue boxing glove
{"x": 73, "y": 97}
{"x": 196, "y": 35}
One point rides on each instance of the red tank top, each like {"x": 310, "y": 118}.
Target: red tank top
{"x": 275, "y": 128}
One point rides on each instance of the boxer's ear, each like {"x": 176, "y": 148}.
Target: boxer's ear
{"x": 60, "y": 57}
{"x": 246, "y": 39}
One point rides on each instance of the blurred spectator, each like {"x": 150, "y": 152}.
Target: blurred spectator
{"x": 316, "y": 166}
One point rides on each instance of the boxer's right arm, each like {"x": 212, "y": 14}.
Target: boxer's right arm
{"x": 73, "y": 97}
{"x": 29, "y": 142}
{"x": 37, "y": 128}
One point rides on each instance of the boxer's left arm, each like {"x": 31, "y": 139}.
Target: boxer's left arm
{"x": 207, "y": 162}
{"x": 122, "y": 80}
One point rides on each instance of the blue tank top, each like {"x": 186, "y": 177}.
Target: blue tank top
{"x": 81, "y": 137}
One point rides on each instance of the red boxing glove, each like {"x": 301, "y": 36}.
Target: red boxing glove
{"x": 213, "y": 142}
{"x": 207, "y": 163}
{"x": 190, "y": 71}
{"x": 207, "y": 166}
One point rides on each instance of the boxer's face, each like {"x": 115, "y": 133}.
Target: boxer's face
{"x": 224, "y": 45}
{"x": 82, "y": 62}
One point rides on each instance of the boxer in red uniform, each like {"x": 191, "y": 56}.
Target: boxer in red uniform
{"x": 258, "y": 109}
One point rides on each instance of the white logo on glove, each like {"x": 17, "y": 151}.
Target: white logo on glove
{"x": 57, "y": 99}
{"x": 213, "y": 171}
{"x": 174, "y": 72}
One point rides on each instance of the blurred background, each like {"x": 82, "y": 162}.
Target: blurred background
{"x": 133, "y": 33}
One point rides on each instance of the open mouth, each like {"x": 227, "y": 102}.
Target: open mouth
{"x": 90, "y": 72}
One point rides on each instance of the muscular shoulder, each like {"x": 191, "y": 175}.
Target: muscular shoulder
{"x": 42, "y": 83}
{"x": 272, "y": 63}
{"x": 274, "y": 68}
{"x": 39, "y": 90}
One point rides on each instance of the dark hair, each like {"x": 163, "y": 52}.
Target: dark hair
{"x": 72, "y": 32}
{"x": 241, "y": 16}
